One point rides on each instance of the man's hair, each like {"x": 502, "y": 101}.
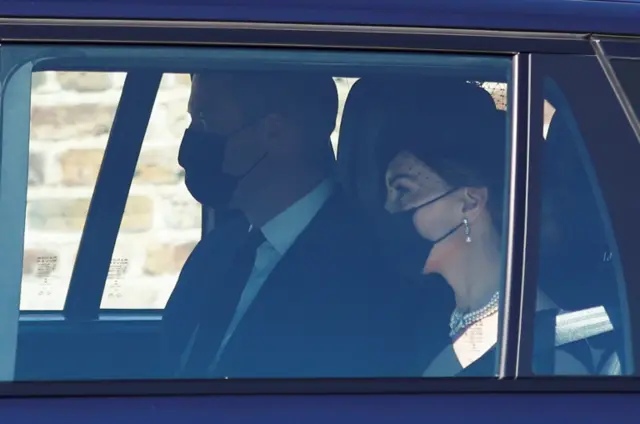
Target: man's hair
{"x": 308, "y": 100}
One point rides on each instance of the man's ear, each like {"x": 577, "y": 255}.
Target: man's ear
{"x": 474, "y": 202}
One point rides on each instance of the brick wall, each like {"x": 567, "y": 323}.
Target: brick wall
{"x": 71, "y": 118}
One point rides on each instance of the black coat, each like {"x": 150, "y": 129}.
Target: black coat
{"x": 328, "y": 309}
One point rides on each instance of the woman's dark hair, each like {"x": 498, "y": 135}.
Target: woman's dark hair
{"x": 462, "y": 138}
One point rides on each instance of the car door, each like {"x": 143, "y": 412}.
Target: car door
{"x": 97, "y": 225}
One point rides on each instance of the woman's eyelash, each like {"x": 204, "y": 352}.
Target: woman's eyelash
{"x": 401, "y": 189}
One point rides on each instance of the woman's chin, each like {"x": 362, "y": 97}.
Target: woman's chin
{"x": 431, "y": 267}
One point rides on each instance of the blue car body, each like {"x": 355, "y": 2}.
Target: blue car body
{"x": 567, "y": 25}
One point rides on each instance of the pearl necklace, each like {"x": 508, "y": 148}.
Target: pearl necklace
{"x": 461, "y": 321}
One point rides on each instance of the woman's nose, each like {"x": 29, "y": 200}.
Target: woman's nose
{"x": 390, "y": 202}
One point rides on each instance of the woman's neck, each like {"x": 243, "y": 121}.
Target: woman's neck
{"x": 475, "y": 274}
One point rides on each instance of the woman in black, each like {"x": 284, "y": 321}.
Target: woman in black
{"x": 445, "y": 173}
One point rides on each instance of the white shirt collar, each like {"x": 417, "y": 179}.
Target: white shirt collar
{"x": 283, "y": 229}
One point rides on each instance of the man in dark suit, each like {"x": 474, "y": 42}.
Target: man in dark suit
{"x": 288, "y": 283}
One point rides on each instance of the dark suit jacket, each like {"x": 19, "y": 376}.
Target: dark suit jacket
{"x": 328, "y": 309}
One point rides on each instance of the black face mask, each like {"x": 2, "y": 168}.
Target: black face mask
{"x": 406, "y": 249}
{"x": 202, "y": 155}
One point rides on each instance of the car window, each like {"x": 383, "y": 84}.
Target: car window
{"x": 315, "y": 190}
{"x": 296, "y": 214}
{"x": 583, "y": 266}
{"x": 627, "y": 72}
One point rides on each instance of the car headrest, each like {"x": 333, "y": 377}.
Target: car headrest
{"x": 358, "y": 127}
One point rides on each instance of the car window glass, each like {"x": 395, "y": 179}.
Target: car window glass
{"x": 71, "y": 116}
{"x": 344, "y": 192}
{"x": 580, "y": 269}
{"x": 627, "y": 72}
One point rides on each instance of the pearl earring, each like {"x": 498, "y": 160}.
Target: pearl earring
{"x": 467, "y": 230}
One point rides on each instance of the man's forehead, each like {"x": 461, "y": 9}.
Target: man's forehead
{"x": 207, "y": 87}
